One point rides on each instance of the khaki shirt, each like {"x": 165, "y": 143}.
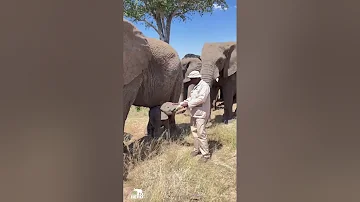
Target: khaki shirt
{"x": 199, "y": 101}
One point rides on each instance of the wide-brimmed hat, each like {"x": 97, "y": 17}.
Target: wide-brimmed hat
{"x": 194, "y": 75}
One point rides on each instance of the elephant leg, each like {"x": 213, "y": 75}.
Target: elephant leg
{"x": 227, "y": 108}
{"x": 228, "y": 96}
{"x": 229, "y": 91}
{"x": 127, "y": 105}
{"x": 221, "y": 95}
{"x": 216, "y": 99}
{"x": 130, "y": 92}
{"x": 166, "y": 125}
{"x": 212, "y": 99}
{"x": 150, "y": 129}
{"x": 157, "y": 129}
{"x": 233, "y": 84}
{"x": 125, "y": 150}
{"x": 171, "y": 122}
{"x": 154, "y": 123}
{"x": 150, "y": 126}
{"x": 213, "y": 96}
{"x": 236, "y": 105}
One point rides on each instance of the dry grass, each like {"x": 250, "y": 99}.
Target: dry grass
{"x": 165, "y": 171}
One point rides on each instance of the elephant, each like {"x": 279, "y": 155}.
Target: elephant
{"x": 159, "y": 117}
{"x": 215, "y": 94}
{"x": 161, "y": 80}
{"x": 189, "y": 63}
{"x": 136, "y": 60}
{"x": 157, "y": 120}
{"x": 219, "y": 61}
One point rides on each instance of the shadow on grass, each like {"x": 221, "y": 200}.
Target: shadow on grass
{"x": 219, "y": 120}
{"x": 214, "y": 146}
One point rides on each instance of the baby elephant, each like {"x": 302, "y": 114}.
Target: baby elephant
{"x": 159, "y": 119}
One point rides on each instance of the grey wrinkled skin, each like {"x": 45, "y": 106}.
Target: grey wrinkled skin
{"x": 158, "y": 122}
{"x": 136, "y": 57}
{"x": 191, "y": 62}
{"x": 154, "y": 124}
{"x": 219, "y": 60}
{"x": 161, "y": 80}
{"x": 168, "y": 108}
{"x": 152, "y": 71}
{"x": 215, "y": 94}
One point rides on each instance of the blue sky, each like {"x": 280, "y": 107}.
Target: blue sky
{"x": 190, "y": 36}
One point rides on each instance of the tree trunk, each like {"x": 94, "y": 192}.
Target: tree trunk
{"x": 164, "y": 27}
{"x": 167, "y": 29}
{"x": 164, "y": 38}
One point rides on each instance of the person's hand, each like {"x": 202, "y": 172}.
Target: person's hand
{"x": 178, "y": 106}
{"x": 184, "y": 104}
{"x": 180, "y": 110}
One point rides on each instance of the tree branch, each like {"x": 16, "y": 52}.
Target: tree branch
{"x": 158, "y": 14}
{"x": 151, "y": 25}
{"x": 175, "y": 14}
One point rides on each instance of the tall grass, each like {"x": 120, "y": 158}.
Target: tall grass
{"x": 165, "y": 171}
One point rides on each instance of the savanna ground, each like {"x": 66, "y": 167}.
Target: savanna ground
{"x": 167, "y": 172}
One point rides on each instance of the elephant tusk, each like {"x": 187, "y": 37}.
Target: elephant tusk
{"x": 217, "y": 79}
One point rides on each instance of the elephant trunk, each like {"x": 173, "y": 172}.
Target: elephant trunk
{"x": 207, "y": 72}
{"x": 182, "y": 98}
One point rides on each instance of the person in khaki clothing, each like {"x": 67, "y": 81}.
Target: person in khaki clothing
{"x": 199, "y": 105}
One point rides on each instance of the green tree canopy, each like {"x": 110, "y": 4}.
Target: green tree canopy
{"x": 158, "y": 14}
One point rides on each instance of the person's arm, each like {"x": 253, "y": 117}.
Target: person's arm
{"x": 184, "y": 103}
{"x": 187, "y": 99}
{"x": 203, "y": 93}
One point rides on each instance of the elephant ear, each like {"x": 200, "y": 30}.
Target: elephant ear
{"x": 230, "y": 65}
{"x": 164, "y": 116}
{"x": 136, "y": 52}
{"x": 189, "y": 65}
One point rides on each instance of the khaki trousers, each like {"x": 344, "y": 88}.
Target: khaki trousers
{"x": 200, "y": 138}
